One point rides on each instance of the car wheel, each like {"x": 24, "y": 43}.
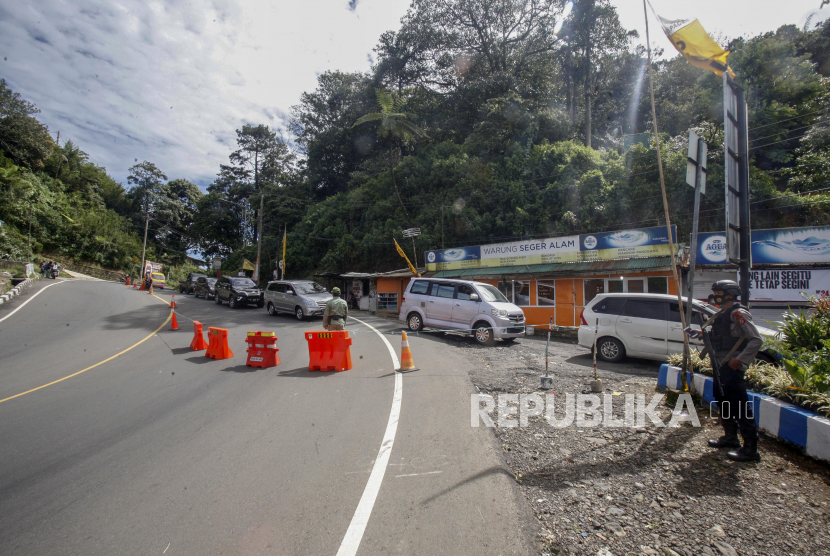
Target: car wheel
{"x": 484, "y": 334}
{"x": 610, "y": 349}
{"x": 232, "y": 303}
{"x": 272, "y": 310}
{"x": 299, "y": 313}
{"x": 216, "y": 299}
{"x": 414, "y": 322}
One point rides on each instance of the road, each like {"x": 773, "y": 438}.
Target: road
{"x": 163, "y": 451}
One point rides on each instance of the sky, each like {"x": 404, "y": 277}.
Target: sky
{"x": 171, "y": 81}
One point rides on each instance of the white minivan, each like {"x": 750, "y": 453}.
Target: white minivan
{"x": 473, "y": 307}
{"x": 643, "y": 325}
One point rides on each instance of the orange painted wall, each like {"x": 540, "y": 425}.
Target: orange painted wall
{"x": 392, "y": 285}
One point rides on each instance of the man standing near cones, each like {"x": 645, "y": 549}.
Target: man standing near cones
{"x": 336, "y": 312}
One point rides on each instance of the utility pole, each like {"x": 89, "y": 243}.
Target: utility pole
{"x": 146, "y": 225}
{"x": 697, "y": 165}
{"x": 442, "y": 226}
{"x": 259, "y": 238}
{"x": 30, "y": 231}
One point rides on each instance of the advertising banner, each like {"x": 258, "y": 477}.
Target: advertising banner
{"x": 626, "y": 244}
{"x": 787, "y": 285}
{"x": 780, "y": 246}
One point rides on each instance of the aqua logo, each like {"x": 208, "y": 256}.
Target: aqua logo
{"x": 590, "y": 242}
{"x": 431, "y": 257}
{"x": 713, "y": 249}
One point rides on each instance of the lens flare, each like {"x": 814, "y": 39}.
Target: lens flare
{"x": 568, "y": 8}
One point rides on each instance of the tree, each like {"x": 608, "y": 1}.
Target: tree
{"x": 24, "y": 139}
{"x": 394, "y": 125}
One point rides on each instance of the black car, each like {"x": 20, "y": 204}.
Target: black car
{"x": 189, "y": 284}
{"x": 205, "y": 287}
{"x": 238, "y": 291}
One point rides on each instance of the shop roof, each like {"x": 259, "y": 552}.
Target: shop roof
{"x": 560, "y": 269}
{"x": 401, "y": 273}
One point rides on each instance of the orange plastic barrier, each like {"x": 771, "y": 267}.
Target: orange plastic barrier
{"x": 262, "y": 350}
{"x": 329, "y": 351}
{"x": 218, "y": 346}
{"x": 198, "y": 343}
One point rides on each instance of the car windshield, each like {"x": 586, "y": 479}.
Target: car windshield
{"x": 308, "y": 287}
{"x": 158, "y": 276}
{"x": 489, "y": 293}
{"x": 243, "y": 283}
{"x": 211, "y": 281}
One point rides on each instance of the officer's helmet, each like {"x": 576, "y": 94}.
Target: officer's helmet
{"x": 731, "y": 290}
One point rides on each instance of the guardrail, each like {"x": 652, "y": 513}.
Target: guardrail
{"x": 88, "y": 270}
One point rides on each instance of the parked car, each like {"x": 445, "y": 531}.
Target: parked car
{"x": 473, "y": 307}
{"x": 158, "y": 280}
{"x": 303, "y": 298}
{"x": 189, "y": 284}
{"x": 643, "y": 325}
{"x": 205, "y": 287}
{"x": 237, "y": 291}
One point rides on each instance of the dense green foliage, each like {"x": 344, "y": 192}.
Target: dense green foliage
{"x": 480, "y": 122}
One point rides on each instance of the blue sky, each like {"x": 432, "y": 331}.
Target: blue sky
{"x": 170, "y": 82}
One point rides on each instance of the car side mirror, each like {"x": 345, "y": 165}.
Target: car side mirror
{"x": 474, "y": 297}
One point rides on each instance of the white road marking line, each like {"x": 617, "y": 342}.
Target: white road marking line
{"x": 417, "y": 474}
{"x": 354, "y": 534}
{"x": 31, "y": 298}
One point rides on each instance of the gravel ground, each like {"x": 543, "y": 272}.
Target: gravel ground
{"x": 621, "y": 491}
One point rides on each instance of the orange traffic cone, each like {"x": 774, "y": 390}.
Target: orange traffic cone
{"x": 135, "y": 285}
{"x": 128, "y": 280}
{"x": 173, "y": 303}
{"x": 151, "y": 288}
{"x": 407, "y": 364}
{"x": 142, "y": 288}
{"x": 174, "y": 325}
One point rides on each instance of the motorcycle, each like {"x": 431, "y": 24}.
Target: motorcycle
{"x": 54, "y": 272}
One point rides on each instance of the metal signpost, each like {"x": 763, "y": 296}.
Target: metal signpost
{"x": 736, "y": 158}
{"x": 413, "y": 233}
{"x": 696, "y": 177}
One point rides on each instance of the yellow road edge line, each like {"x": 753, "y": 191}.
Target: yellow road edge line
{"x": 96, "y": 364}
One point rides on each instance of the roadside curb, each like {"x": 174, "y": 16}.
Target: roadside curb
{"x": 6, "y": 297}
{"x": 785, "y": 421}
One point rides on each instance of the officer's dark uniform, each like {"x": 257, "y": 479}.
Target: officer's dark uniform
{"x": 736, "y": 414}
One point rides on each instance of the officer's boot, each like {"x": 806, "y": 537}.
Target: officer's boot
{"x": 749, "y": 452}
{"x": 728, "y": 440}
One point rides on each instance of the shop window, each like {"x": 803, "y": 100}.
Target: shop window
{"x": 636, "y": 285}
{"x": 615, "y": 286}
{"x": 658, "y": 284}
{"x": 506, "y": 288}
{"x": 521, "y": 293}
{"x": 388, "y": 302}
{"x": 592, "y": 288}
{"x": 545, "y": 293}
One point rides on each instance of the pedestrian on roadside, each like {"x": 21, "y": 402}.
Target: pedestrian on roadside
{"x": 336, "y": 312}
{"x": 736, "y": 341}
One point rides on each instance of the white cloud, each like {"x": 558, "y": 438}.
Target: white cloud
{"x": 171, "y": 82}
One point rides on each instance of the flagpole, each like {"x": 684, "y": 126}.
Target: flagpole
{"x": 686, "y": 387}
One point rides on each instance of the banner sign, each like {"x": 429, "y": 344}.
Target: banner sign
{"x": 780, "y": 246}
{"x": 787, "y": 285}
{"x": 626, "y": 244}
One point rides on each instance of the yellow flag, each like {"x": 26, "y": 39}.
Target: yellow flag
{"x": 695, "y": 44}
{"x": 247, "y": 265}
{"x": 402, "y": 254}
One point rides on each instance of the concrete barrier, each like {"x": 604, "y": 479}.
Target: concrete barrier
{"x": 801, "y": 427}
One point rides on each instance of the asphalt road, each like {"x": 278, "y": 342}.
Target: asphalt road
{"x": 163, "y": 451}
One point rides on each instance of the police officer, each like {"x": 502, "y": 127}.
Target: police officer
{"x": 336, "y": 312}
{"x": 736, "y": 342}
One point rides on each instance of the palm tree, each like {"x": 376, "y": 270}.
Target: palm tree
{"x": 394, "y": 124}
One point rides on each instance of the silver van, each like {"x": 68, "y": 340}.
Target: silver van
{"x": 304, "y": 298}
{"x": 474, "y": 307}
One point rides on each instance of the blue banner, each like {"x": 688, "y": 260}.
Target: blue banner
{"x": 779, "y": 246}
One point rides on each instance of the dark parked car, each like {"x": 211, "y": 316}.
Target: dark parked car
{"x": 205, "y": 287}
{"x": 238, "y": 291}
{"x": 189, "y": 285}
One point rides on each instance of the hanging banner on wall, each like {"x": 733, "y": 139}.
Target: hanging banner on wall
{"x": 787, "y": 285}
{"x": 626, "y": 244}
{"x": 779, "y": 246}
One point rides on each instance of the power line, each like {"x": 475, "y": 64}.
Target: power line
{"x": 789, "y": 130}
{"x": 788, "y": 119}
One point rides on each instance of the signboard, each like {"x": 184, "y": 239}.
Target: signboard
{"x": 787, "y": 285}
{"x": 152, "y": 267}
{"x": 736, "y": 171}
{"x": 626, "y": 244}
{"x": 778, "y": 246}
{"x": 217, "y": 262}
{"x": 694, "y": 158}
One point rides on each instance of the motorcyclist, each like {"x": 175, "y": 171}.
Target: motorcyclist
{"x": 736, "y": 341}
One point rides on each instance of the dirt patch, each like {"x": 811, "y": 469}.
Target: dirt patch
{"x": 646, "y": 490}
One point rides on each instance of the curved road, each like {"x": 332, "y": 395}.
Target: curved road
{"x": 163, "y": 451}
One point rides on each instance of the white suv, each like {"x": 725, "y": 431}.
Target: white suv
{"x": 642, "y": 325}
{"x": 461, "y": 305}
